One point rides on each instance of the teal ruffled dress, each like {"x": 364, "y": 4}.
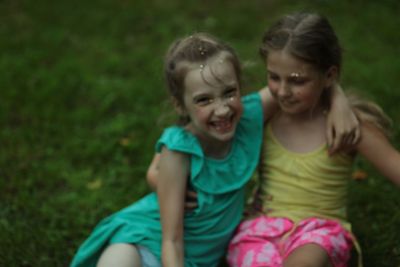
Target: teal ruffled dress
{"x": 220, "y": 189}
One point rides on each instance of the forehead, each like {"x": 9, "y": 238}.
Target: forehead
{"x": 285, "y": 64}
{"x": 217, "y": 72}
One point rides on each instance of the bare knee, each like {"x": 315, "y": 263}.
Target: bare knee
{"x": 310, "y": 255}
{"x": 120, "y": 255}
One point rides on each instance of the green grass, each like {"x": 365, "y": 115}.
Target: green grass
{"x": 82, "y": 93}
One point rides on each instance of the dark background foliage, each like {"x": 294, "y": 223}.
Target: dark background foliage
{"x": 82, "y": 102}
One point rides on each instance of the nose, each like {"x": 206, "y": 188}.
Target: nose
{"x": 284, "y": 89}
{"x": 222, "y": 109}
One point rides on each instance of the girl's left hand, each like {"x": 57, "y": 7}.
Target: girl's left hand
{"x": 190, "y": 200}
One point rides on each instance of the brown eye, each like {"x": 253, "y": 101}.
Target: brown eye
{"x": 273, "y": 77}
{"x": 299, "y": 81}
{"x": 230, "y": 92}
{"x": 203, "y": 101}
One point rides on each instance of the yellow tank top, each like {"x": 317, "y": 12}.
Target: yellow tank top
{"x": 303, "y": 185}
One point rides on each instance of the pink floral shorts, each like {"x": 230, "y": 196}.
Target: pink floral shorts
{"x": 266, "y": 241}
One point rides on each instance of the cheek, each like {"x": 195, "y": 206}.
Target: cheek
{"x": 239, "y": 107}
{"x": 273, "y": 87}
{"x": 236, "y": 105}
{"x": 301, "y": 94}
{"x": 311, "y": 95}
{"x": 199, "y": 114}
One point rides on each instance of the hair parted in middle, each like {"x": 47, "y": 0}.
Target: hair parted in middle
{"x": 311, "y": 38}
{"x": 306, "y": 36}
{"x": 189, "y": 50}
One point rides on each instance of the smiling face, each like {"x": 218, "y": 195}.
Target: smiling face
{"x": 296, "y": 84}
{"x": 212, "y": 100}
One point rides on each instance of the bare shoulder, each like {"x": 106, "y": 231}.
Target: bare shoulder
{"x": 168, "y": 154}
{"x": 265, "y": 94}
{"x": 171, "y": 161}
{"x": 268, "y": 102}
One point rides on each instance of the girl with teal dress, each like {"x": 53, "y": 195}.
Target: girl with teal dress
{"x": 214, "y": 151}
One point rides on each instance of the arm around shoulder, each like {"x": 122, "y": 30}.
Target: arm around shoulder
{"x": 171, "y": 187}
{"x": 377, "y": 149}
{"x": 343, "y": 127}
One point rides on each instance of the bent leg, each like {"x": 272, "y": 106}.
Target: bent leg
{"x": 318, "y": 242}
{"x": 121, "y": 255}
{"x": 310, "y": 255}
{"x": 256, "y": 242}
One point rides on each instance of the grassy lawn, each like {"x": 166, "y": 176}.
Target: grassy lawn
{"x": 82, "y": 93}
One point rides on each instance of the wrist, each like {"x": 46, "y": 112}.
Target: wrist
{"x": 172, "y": 254}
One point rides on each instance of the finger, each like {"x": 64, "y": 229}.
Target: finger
{"x": 189, "y": 206}
{"x": 353, "y": 137}
{"x": 357, "y": 136}
{"x": 347, "y": 139}
{"x": 329, "y": 136}
{"x": 337, "y": 140}
{"x": 191, "y": 194}
{"x": 355, "y": 130}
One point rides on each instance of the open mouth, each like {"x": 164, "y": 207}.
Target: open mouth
{"x": 223, "y": 126}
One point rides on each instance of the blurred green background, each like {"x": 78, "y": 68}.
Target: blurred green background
{"x": 82, "y": 102}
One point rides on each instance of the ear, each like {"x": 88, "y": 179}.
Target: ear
{"x": 178, "y": 107}
{"x": 331, "y": 76}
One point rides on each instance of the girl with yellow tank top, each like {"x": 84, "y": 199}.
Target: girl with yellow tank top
{"x": 303, "y": 189}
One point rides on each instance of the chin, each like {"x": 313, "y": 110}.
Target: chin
{"x": 225, "y": 137}
{"x": 292, "y": 110}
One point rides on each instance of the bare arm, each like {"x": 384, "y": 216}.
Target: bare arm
{"x": 171, "y": 187}
{"x": 152, "y": 171}
{"x": 151, "y": 177}
{"x": 375, "y": 147}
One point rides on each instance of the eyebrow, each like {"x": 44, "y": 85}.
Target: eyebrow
{"x": 271, "y": 72}
{"x": 229, "y": 86}
{"x": 201, "y": 95}
{"x": 292, "y": 75}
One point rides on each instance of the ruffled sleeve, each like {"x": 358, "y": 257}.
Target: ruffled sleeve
{"x": 178, "y": 139}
